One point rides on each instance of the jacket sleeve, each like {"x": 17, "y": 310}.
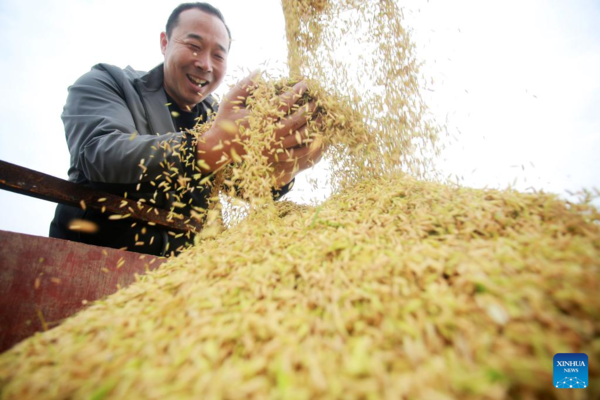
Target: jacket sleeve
{"x": 102, "y": 138}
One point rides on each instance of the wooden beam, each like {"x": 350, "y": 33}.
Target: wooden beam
{"x": 46, "y": 187}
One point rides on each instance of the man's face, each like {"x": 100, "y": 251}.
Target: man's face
{"x": 195, "y": 57}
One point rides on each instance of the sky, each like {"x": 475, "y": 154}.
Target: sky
{"x": 516, "y": 82}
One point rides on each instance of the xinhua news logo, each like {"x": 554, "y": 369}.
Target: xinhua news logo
{"x": 571, "y": 370}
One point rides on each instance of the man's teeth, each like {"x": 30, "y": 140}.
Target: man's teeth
{"x": 198, "y": 81}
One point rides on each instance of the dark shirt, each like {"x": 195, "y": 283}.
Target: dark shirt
{"x": 184, "y": 120}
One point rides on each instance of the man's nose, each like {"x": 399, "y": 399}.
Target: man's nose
{"x": 203, "y": 61}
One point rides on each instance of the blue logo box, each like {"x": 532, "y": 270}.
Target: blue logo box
{"x": 570, "y": 370}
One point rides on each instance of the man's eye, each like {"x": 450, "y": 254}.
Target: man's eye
{"x": 194, "y": 47}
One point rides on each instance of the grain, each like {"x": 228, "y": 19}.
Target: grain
{"x": 80, "y": 225}
{"x": 395, "y": 288}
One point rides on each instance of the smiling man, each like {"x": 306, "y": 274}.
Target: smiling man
{"x": 125, "y": 128}
{"x": 195, "y": 45}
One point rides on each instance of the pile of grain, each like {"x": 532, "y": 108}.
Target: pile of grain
{"x": 397, "y": 287}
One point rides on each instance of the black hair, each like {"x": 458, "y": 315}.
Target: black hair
{"x": 207, "y": 8}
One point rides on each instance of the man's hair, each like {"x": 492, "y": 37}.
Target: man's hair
{"x": 207, "y": 8}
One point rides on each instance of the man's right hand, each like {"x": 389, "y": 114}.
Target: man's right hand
{"x": 218, "y": 142}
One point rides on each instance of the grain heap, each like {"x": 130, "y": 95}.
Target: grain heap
{"x": 395, "y": 287}
{"x": 410, "y": 289}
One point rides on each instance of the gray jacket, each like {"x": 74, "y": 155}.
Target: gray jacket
{"x": 113, "y": 119}
{"x": 104, "y": 108}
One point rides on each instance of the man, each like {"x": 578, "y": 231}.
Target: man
{"x": 126, "y": 128}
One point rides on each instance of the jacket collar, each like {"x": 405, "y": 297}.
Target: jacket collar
{"x": 151, "y": 88}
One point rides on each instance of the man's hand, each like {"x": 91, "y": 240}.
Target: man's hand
{"x": 296, "y": 160}
{"x": 218, "y": 143}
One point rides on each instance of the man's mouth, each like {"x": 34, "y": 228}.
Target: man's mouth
{"x": 197, "y": 81}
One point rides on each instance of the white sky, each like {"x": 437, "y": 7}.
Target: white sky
{"x": 518, "y": 79}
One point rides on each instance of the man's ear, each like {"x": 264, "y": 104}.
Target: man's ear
{"x": 163, "y": 42}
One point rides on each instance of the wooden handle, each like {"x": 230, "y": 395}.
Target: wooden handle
{"x": 46, "y": 187}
